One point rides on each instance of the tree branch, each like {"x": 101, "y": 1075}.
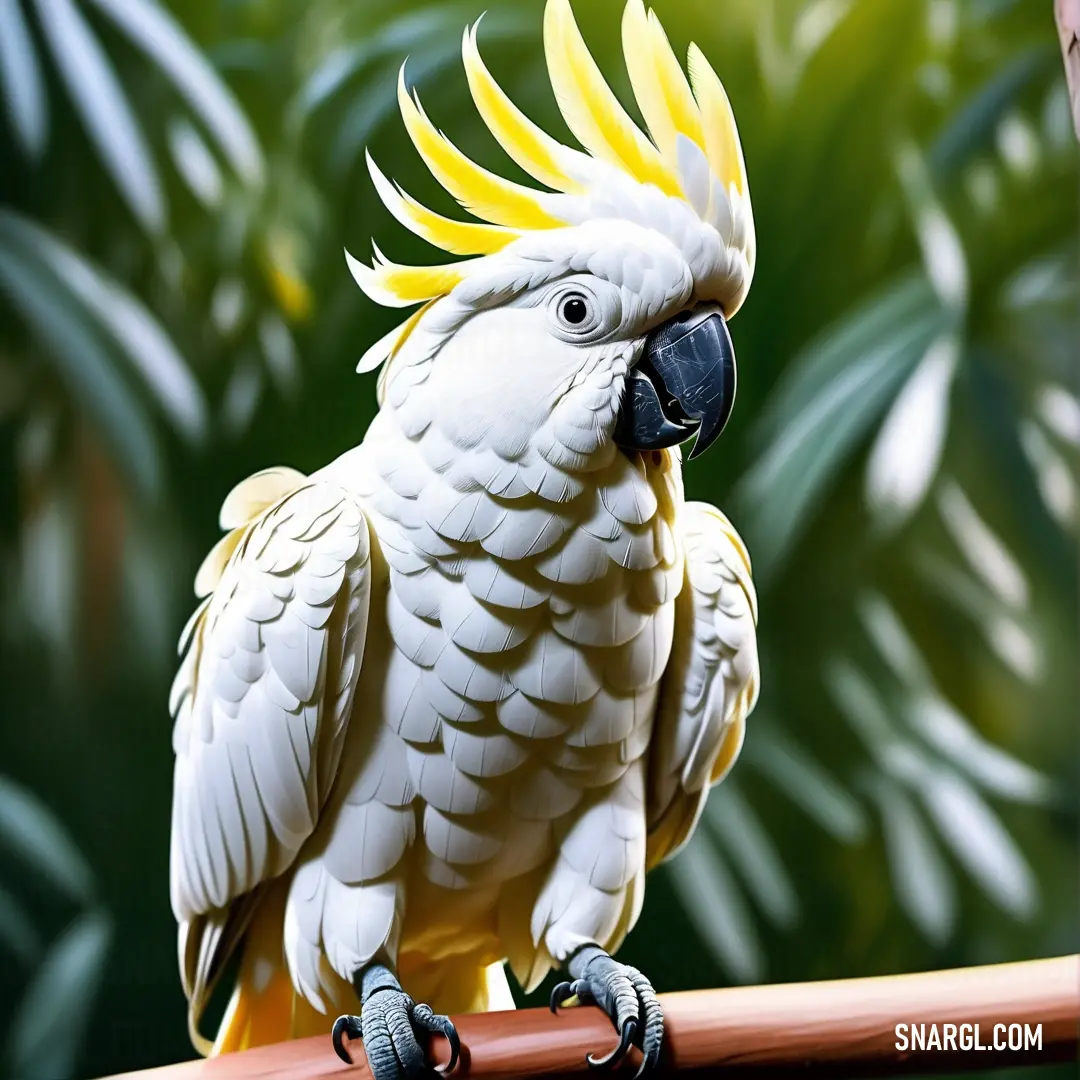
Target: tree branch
{"x": 833, "y": 1029}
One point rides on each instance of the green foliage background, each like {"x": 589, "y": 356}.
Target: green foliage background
{"x": 176, "y": 189}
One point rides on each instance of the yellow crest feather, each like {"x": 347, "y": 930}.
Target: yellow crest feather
{"x": 457, "y": 237}
{"x": 528, "y": 145}
{"x": 393, "y": 285}
{"x": 581, "y": 183}
{"x": 482, "y": 193}
{"x": 722, "y": 146}
{"x": 591, "y": 111}
{"x": 660, "y": 87}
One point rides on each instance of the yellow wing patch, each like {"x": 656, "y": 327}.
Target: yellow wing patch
{"x": 241, "y": 507}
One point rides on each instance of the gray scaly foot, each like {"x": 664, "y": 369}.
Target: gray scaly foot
{"x": 625, "y": 995}
{"x": 391, "y": 1025}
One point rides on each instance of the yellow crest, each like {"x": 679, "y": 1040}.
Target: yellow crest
{"x": 691, "y": 153}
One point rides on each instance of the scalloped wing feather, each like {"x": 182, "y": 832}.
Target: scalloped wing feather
{"x": 711, "y": 684}
{"x": 263, "y": 695}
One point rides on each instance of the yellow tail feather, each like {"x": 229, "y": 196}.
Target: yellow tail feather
{"x": 265, "y": 1007}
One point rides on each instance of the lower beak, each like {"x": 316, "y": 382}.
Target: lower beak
{"x": 684, "y": 384}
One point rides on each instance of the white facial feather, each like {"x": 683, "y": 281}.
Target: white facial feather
{"x": 493, "y": 366}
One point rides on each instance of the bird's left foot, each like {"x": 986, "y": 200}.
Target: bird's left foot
{"x": 625, "y": 995}
{"x": 392, "y": 1026}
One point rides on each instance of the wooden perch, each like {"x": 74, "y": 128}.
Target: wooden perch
{"x": 842, "y": 1028}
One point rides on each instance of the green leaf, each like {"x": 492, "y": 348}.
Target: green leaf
{"x": 942, "y": 250}
{"x": 922, "y": 881}
{"x": 1059, "y": 410}
{"x": 150, "y": 552}
{"x": 980, "y": 841}
{"x": 106, "y": 113}
{"x": 717, "y": 909}
{"x": 154, "y": 30}
{"x": 48, "y": 579}
{"x": 740, "y": 831}
{"x": 378, "y": 100}
{"x": 196, "y": 163}
{"x": 953, "y": 736}
{"x": 87, "y": 368}
{"x": 893, "y": 642}
{"x": 407, "y": 34}
{"x": 1012, "y": 638}
{"x": 21, "y": 80}
{"x": 1055, "y": 478}
{"x": 836, "y": 390}
{"x": 984, "y": 550}
{"x": 970, "y": 130}
{"x": 1045, "y": 282}
{"x": 806, "y": 783}
{"x": 937, "y": 722}
{"x": 144, "y": 341}
{"x": 831, "y": 353}
{"x": 29, "y": 829}
{"x": 242, "y": 394}
{"x": 957, "y": 586}
{"x": 397, "y": 38}
{"x": 906, "y": 454}
{"x": 861, "y": 705}
{"x": 280, "y": 353}
{"x": 16, "y": 929}
{"x": 50, "y": 1022}
{"x": 436, "y": 49}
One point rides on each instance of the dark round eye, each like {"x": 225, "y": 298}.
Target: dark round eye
{"x": 574, "y": 310}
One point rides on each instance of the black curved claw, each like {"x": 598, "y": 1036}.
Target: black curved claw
{"x": 625, "y": 995}
{"x": 345, "y": 1026}
{"x": 393, "y": 1028}
{"x": 626, "y": 1040}
{"x": 653, "y": 1017}
{"x": 431, "y": 1021}
{"x": 455, "y": 1051}
{"x": 562, "y": 992}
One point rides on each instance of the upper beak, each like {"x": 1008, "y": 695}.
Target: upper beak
{"x": 683, "y": 384}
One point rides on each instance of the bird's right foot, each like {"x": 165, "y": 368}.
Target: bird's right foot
{"x": 391, "y": 1026}
{"x": 625, "y": 995}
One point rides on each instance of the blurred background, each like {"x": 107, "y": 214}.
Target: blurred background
{"x": 178, "y": 182}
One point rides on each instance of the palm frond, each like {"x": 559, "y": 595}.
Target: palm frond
{"x": 22, "y": 81}
{"x": 65, "y": 984}
{"x": 99, "y": 98}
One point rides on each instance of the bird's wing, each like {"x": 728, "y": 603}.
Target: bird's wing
{"x": 711, "y": 682}
{"x": 262, "y": 698}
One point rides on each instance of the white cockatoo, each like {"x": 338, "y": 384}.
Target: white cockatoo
{"x": 447, "y": 699}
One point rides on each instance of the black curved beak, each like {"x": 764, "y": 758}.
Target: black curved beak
{"x": 684, "y": 384}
